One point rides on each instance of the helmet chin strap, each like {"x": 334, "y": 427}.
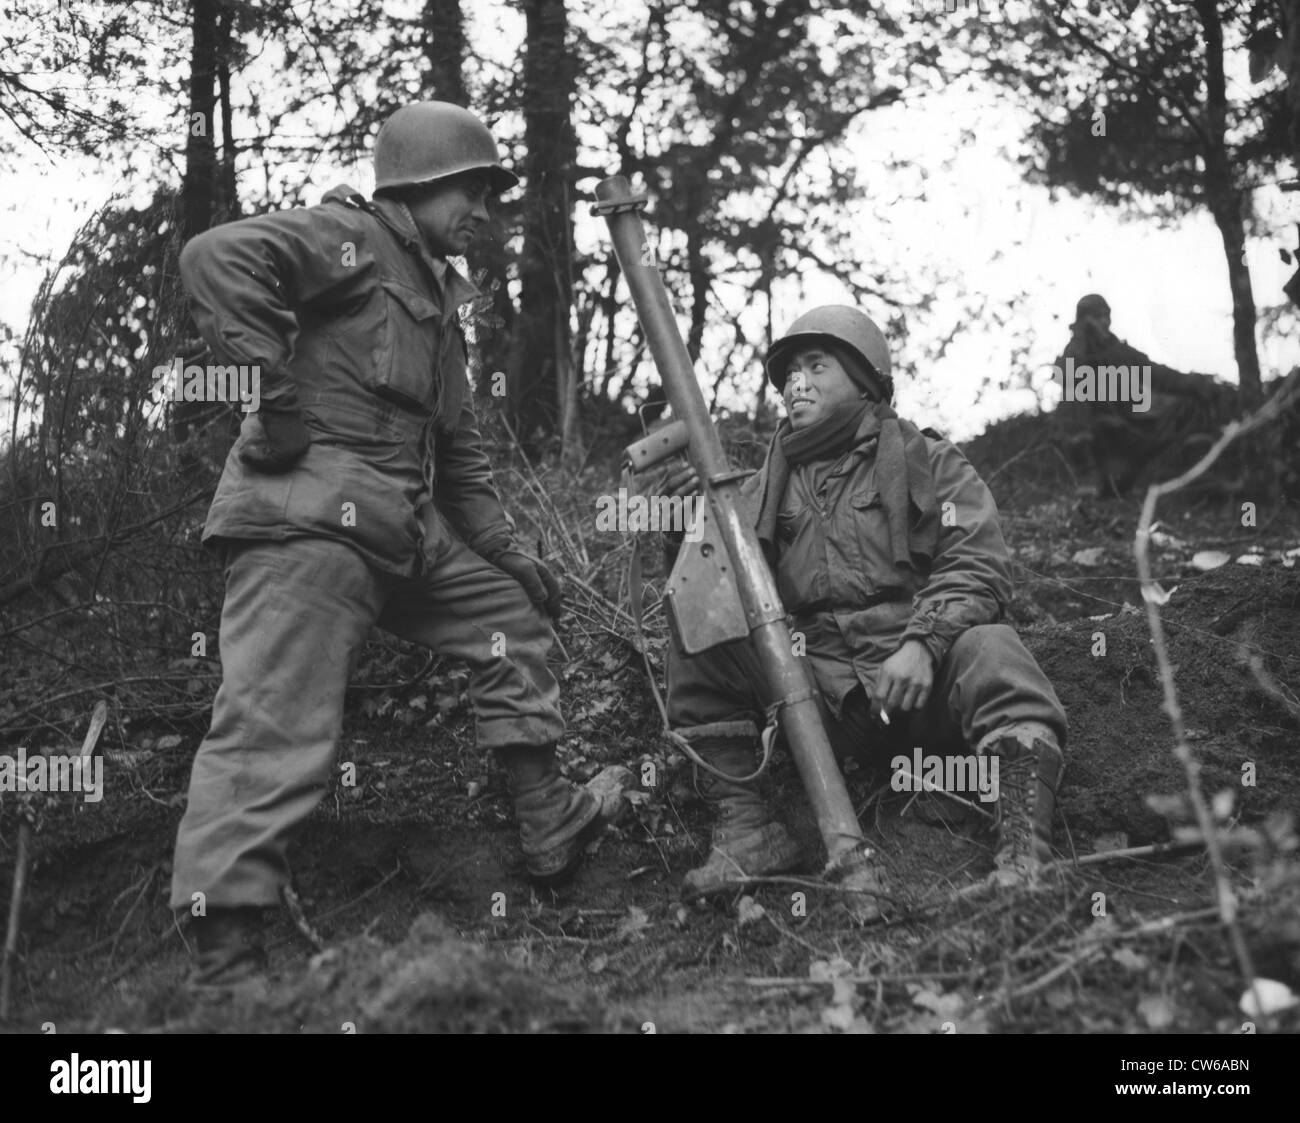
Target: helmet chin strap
{"x": 411, "y": 219}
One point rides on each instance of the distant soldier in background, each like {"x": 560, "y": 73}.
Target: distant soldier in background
{"x": 1185, "y": 411}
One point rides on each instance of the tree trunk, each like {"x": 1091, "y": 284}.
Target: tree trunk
{"x": 566, "y": 377}
{"x": 543, "y": 369}
{"x": 227, "y": 208}
{"x": 609, "y": 309}
{"x": 700, "y": 288}
{"x": 1227, "y": 215}
{"x": 1291, "y": 37}
{"x": 1290, "y": 10}
{"x": 1226, "y": 199}
{"x": 443, "y": 29}
{"x": 199, "y": 185}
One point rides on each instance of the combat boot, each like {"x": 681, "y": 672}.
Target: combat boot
{"x": 1030, "y": 765}
{"x": 229, "y": 951}
{"x": 747, "y": 842}
{"x": 556, "y": 817}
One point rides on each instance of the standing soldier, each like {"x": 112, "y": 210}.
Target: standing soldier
{"x": 358, "y": 494}
{"x": 888, "y": 554}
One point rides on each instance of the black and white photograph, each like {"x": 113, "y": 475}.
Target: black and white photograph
{"x": 642, "y": 517}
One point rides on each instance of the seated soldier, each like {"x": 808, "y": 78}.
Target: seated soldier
{"x": 1181, "y": 411}
{"x": 889, "y": 557}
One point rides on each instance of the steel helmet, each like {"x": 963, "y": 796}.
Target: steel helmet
{"x": 843, "y": 324}
{"x": 1094, "y": 304}
{"x": 434, "y": 139}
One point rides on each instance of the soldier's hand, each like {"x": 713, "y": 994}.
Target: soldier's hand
{"x": 538, "y": 582}
{"x": 274, "y": 440}
{"x": 681, "y": 480}
{"x": 905, "y": 680}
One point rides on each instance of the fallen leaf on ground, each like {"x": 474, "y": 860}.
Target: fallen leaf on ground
{"x": 1156, "y": 594}
{"x": 1166, "y": 541}
{"x": 823, "y": 971}
{"x": 1156, "y": 1011}
{"x": 1059, "y": 998}
{"x": 1222, "y": 803}
{"x": 1267, "y": 998}
{"x": 838, "y": 1017}
{"x": 633, "y": 923}
{"x": 944, "y": 1005}
{"x": 749, "y": 910}
{"x": 1112, "y": 840}
{"x": 1127, "y": 957}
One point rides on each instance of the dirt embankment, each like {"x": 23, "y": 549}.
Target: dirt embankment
{"x": 413, "y": 879}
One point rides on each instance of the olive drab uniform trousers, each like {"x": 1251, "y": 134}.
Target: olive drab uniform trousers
{"x": 295, "y": 617}
{"x": 383, "y": 521}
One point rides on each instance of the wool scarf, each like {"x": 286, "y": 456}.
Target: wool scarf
{"x": 903, "y": 473}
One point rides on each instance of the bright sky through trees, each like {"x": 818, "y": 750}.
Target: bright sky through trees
{"x": 972, "y": 229}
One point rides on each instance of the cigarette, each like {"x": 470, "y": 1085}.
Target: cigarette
{"x": 884, "y": 716}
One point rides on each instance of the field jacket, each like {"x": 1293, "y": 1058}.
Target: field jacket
{"x": 347, "y": 316}
{"x": 835, "y": 571}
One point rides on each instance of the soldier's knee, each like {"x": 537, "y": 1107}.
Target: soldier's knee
{"x": 528, "y": 637}
{"x": 983, "y": 639}
{"x": 515, "y": 612}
